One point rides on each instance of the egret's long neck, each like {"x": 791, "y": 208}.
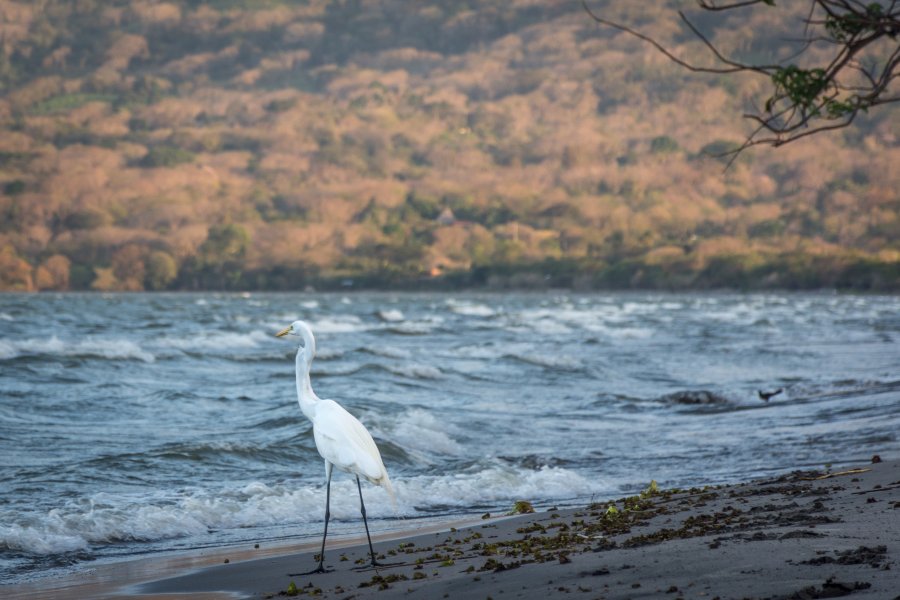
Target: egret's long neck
{"x": 305, "y": 394}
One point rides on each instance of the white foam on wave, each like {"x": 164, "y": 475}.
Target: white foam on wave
{"x": 539, "y": 356}
{"x": 7, "y": 350}
{"x": 411, "y": 328}
{"x": 340, "y": 324}
{"x": 492, "y": 485}
{"x": 414, "y": 371}
{"x": 108, "y": 348}
{"x": 391, "y": 315}
{"x": 328, "y": 354}
{"x": 471, "y": 309}
{"x": 5, "y": 316}
{"x": 523, "y": 352}
{"x": 39, "y": 540}
{"x": 480, "y": 351}
{"x": 100, "y": 519}
{"x": 386, "y": 351}
{"x": 110, "y": 518}
{"x": 593, "y": 319}
{"x": 420, "y": 434}
{"x": 634, "y": 333}
{"x": 557, "y": 362}
{"x": 213, "y": 340}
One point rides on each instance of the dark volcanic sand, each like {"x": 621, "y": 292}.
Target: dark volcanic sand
{"x": 796, "y": 536}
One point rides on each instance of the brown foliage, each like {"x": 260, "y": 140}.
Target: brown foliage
{"x": 334, "y": 140}
{"x": 53, "y": 273}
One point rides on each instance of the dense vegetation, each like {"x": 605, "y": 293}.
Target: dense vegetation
{"x": 237, "y": 144}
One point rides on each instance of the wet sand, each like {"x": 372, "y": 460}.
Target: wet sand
{"x": 803, "y": 535}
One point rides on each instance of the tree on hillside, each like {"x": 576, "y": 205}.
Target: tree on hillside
{"x": 219, "y": 262}
{"x": 848, "y": 50}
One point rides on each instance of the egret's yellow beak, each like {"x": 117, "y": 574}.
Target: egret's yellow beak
{"x": 283, "y": 332}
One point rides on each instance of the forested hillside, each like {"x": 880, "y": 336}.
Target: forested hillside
{"x": 275, "y": 144}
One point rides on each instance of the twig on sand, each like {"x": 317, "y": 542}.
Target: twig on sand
{"x": 829, "y": 475}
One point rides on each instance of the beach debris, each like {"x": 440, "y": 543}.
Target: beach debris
{"x": 521, "y": 507}
{"x": 876, "y": 459}
{"x": 485, "y": 516}
{"x": 651, "y": 490}
{"x": 838, "y": 474}
{"x": 383, "y": 581}
{"x": 863, "y": 555}
{"x": 291, "y": 589}
{"x": 226, "y": 561}
{"x": 801, "y": 533}
{"x": 831, "y": 589}
{"x": 496, "y": 566}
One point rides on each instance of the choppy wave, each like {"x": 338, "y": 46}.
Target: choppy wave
{"x": 94, "y": 347}
{"x": 386, "y": 351}
{"x": 496, "y": 485}
{"x": 108, "y": 518}
{"x": 340, "y": 324}
{"x": 214, "y": 341}
{"x": 411, "y": 328}
{"x": 410, "y": 370}
{"x": 611, "y": 322}
{"x": 414, "y": 371}
{"x": 557, "y": 362}
{"x": 325, "y": 354}
{"x": 421, "y": 434}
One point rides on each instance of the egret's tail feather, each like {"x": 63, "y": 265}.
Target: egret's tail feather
{"x": 386, "y": 484}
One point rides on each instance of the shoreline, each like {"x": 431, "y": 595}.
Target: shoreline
{"x": 113, "y": 579}
{"x": 806, "y": 534}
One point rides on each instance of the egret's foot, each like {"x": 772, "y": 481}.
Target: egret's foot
{"x": 319, "y": 569}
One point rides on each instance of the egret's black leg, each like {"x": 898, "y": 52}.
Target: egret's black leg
{"x": 321, "y": 567}
{"x": 362, "y": 509}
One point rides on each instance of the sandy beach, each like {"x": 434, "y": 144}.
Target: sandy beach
{"x": 807, "y": 534}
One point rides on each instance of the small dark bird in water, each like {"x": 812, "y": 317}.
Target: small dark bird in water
{"x": 766, "y": 395}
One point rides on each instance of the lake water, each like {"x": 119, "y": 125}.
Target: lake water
{"x": 141, "y": 423}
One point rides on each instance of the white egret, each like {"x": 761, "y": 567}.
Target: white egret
{"x": 341, "y": 439}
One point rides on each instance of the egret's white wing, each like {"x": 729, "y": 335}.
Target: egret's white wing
{"x": 343, "y": 441}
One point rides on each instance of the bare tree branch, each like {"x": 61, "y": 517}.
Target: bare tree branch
{"x": 718, "y": 55}
{"x": 657, "y": 45}
{"x": 806, "y": 100}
